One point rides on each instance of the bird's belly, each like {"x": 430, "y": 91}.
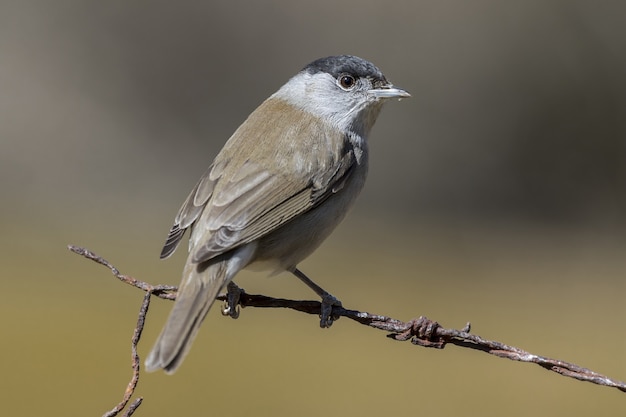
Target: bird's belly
{"x": 284, "y": 248}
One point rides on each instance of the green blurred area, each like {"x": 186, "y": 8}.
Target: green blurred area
{"x": 496, "y": 195}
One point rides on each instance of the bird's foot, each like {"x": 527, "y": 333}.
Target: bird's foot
{"x": 231, "y": 306}
{"x": 327, "y": 317}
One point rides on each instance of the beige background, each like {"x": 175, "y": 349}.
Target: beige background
{"x": 496, "y": 195}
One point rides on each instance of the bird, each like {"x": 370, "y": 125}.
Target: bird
{"x": 276, "y": 190}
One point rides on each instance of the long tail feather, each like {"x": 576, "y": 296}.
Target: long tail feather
{"x": 195, "y": 297}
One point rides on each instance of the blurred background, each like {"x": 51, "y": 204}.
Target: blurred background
{"x": 496, "y": 195}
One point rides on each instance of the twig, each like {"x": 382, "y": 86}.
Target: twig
{"x": 163, "y": 291}
{"x": 167, "y": 292}
{"x": 421, "y": 332}
{"x": 427, "y": 333}
{"x": 133, "y": 407}
{"x": 130, "y": 389}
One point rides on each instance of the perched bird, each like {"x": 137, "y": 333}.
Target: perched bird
{"x": 279, "y": 186}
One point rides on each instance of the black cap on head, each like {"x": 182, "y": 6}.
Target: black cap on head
{"x": 346, "y": 64}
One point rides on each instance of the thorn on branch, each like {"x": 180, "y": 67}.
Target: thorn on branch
{"x": 422, "y": 332}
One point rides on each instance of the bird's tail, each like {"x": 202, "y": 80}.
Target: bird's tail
{"x": 196, "y": 294}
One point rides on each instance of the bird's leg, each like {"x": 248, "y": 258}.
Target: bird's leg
{"x": 231, "y": 307}
{"x": 328, "y": 300}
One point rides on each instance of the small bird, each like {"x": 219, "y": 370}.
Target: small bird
{"x": 280, "y": 185}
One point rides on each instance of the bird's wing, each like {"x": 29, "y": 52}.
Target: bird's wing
{"x": 189, "y": 211}
{"x": 260, "y": 202}
{"x": 242, "y": 198}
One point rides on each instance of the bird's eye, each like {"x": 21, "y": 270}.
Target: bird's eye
{"x": 346, "y": 81}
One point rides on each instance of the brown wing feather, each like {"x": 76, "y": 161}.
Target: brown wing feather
{"x": 269, "y": 206}
{"x": 238, "y": 200}
{"x": 190, "y": 210}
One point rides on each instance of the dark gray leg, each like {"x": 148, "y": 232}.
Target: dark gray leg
{"x": 231, "y": 308}
{"x": 328, "y": 300}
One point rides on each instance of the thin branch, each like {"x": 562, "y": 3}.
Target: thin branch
{"x": 133, "y": 407}
{"x": 130, "y": 389}
{"x": 427, "y": 333}
{"x": 167, "y": 292}
{"x": 163, "y": 291}
{"x": 421, "y": 332}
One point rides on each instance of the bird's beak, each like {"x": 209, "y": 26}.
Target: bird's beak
{"x": 389, "y": 91}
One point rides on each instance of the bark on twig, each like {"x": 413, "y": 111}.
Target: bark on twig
{"x": 421, "y": 332}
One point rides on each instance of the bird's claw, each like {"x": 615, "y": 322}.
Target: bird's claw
{"x": 232, "y": 312}
{"x": 327, "y": 317}
{"x": 231, "y": 306}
